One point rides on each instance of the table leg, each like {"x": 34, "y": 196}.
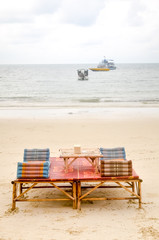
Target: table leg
{"x": 66, "y": 164}
{"x": 20, "y": 188}
{"x": 78, "y": 195}
{"x": 93, "y": 161}
{"x": 74, "y": 195}
{"x": 96, "y": 164}
{"x": 139, "y": 192}
{"x": 133, "y": 187}
{"x": 14, "y": 196}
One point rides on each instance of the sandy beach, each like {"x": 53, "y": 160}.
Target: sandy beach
{"x": 137, "y": 132}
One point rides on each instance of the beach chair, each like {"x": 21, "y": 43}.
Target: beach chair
{"x": 36, "y": 163}
{"x": 36, "y": 155}
{"x": 113, "y": 153}
{"x": 115, "y": 172}
{"x": 114, "y": 163}
{"x": 38, "y": 169}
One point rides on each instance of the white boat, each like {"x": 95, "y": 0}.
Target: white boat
{"x": 111, "y": 64}
{"x": 105, "y": 65}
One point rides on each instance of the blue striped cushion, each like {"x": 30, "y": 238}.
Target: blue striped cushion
{"x": 36, "y": 154}
{"x": 113, "y": 153}
{"x": 33, "y": 169}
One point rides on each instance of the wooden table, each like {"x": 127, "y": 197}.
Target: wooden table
{"x": 91, "y": 155}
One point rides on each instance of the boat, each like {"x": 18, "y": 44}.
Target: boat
{"x": 82, "y": 74}
{"x": 99, "y": 69}
{"x": 111, "y": 64}
{"x": 105, "y": 65}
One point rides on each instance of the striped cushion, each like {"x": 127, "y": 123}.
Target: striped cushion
{"x": 36, "y": 154}
{"x": 116, "y": 168}
{"x": 113, "y": 153}
{"x": 33, "y": 169}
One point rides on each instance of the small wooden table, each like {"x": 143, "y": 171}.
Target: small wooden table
{"x": 91, "y": 155}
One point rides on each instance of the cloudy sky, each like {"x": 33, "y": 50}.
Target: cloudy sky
{"x": 78, "y": 31}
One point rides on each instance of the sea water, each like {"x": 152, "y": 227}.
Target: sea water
{"x": 58, "y": 87}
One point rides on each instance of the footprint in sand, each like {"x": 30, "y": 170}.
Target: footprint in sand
{"x": 148, "y": 232}
{"x": 74, "y": 232}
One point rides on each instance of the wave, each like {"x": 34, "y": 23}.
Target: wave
{"x": 89, "y": 100}
{"x": 103, "y": 100}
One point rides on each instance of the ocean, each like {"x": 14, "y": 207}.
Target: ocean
{"x": 57, "y": 87}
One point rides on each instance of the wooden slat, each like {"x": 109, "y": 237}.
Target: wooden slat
{"x": 91, "y": 190}
{"x": 63, "y": 191}
{"x": 133, "y": 193}
{"x": 74, "y": 158}
{"x": 108, "y": 198}
{"x": 42, "y": 199}
{"x": 25, "y": 191}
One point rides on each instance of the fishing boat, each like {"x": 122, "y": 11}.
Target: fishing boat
{"x": 105, "y": 65}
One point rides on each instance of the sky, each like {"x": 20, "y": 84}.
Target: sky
{"x": 78, "y": 31}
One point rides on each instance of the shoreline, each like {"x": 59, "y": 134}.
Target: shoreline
{"x": 75, "y": 113}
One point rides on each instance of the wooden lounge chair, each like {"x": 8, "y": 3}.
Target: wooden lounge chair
{"x": 37, "y": 169}
{"x": 115, "y": 172}
{"x": 35, "y": 164}
{"x": 114, "y": 163}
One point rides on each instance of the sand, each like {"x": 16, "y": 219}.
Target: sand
{"x": 138, "y": 133}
